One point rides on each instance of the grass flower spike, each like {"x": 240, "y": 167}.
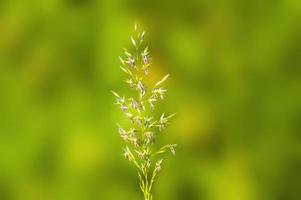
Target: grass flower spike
{"x": 139, "y": 109}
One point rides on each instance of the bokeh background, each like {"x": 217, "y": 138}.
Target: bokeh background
{"x": 235, "y": 84}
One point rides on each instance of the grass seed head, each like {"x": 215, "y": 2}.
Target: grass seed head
{"x": 143, "y": 132}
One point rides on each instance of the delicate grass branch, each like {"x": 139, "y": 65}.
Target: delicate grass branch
{"x": 144, "y": 130}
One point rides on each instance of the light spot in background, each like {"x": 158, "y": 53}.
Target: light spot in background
{"x": 157, "y": 72}
{"x": 82, "y": 152}
{"x": 233, "y": 179}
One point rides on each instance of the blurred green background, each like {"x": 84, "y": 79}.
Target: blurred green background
{"x": 235, "y": 84}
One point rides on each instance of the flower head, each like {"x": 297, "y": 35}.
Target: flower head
{"x": 143, "y": 131}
